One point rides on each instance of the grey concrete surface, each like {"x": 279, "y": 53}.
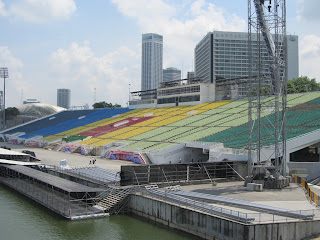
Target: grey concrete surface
{"x": 291, "y": 198}
{"x": 237, "y": 190}
{"x": 73, "y": 159}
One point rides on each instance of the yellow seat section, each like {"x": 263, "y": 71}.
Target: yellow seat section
{"x": 212, "y": 105}
{"x": 150, "y": 121}
{"x": 103, "y": 142}
{"x": 168, "y": 121}
{"x": 110, "y": 135}
{"x": 132, "y": 133}
{"x": 89, "y": 141}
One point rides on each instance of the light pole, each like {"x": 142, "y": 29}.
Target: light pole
{"x": 4, "y": 74}
{"x": 129, "y": 96}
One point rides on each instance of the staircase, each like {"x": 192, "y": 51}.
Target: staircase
{"x": 115, "y": 200}
{"x": 145, "y": 158}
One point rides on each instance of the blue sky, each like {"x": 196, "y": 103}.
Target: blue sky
{"x": 85, "y": 45}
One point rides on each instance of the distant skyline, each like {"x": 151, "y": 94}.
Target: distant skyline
{"x": 151, "y": 61}
{"x": 82, "y": 45}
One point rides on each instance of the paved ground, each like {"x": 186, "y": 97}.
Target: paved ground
{"x": 239, "y": 191}
{"x": 291, "y": 198}
{"x": 73, "y": 160}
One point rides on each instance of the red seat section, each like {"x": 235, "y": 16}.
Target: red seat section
{"x": 95, "y": 132}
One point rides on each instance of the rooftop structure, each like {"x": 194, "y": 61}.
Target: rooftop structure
{"x": 171, "y": 74}
{"x": 31, "y": 100}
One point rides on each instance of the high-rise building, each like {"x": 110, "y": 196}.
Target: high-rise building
{"x": 171, "y": 74}
{"x": 190, "y": 75}
{"x": 63, "y": 98}
{"x": 224, "y": 55}
{"x": 151, "y": 65}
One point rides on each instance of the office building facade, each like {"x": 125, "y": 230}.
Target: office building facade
{"x": 64, "y": 98}
{"x": 151, "y": 64}
{"x": 171, "y": 74}
{"x": 224, "y": 55}
{"x": 190, "y": 75}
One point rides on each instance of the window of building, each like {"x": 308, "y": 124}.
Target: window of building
{"x": 193, "y": 98}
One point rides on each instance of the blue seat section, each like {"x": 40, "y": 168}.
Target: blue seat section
{"x": 76, "y": 122}
{"x": 49, "y": 121}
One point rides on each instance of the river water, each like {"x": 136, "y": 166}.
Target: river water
{"x": 23, "y": 219}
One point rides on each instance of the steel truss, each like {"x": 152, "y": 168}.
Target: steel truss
{"x": 268, "y": 87}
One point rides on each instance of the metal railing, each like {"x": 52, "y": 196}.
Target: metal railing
{"x": 197, "y": 206}
{"x": 244, "y": 217}
{"x": 103, "y": 180}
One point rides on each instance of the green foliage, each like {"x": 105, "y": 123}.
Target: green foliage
{"x": 11, "y": 112}
{"x": 105, "y": 105}
{"x": 303, "y": 84}
{"x": 264, "y": 91}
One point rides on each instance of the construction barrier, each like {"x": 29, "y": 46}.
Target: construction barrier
{"x": 313, "y": 197}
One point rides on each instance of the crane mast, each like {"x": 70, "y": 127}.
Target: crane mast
{"x": 268, "y": 92}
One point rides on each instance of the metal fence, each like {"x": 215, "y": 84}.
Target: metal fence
{"x": 192, "y": 173}
{"x": 313, "y": 197}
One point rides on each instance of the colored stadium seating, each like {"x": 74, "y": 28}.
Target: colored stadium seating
{"x": 159, "y": 128}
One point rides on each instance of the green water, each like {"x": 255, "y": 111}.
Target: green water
{"x": 21, "y": 218}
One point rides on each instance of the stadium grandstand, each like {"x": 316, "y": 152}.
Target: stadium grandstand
{"x": 211, "y": 131}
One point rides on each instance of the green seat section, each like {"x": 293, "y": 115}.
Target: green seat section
{"x": 314, "y": 101}
{"x": 298, "y": 123}
{"x": 152, "y": 133}
{"x": 169, "y": 134}
{"x": 138, "y": 145}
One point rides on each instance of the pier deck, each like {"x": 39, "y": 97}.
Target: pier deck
{"x": 67, "y": 198}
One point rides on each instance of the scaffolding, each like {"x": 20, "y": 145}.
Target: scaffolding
{"x": 268, "y": 91}
{"x": 68, "y": 199}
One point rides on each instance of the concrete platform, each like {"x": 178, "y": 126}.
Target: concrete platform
{"x": 291, "y": 198}
{"x": 73, "y": 159}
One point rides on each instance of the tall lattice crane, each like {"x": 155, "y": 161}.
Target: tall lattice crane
{"x": 268, "y": 88}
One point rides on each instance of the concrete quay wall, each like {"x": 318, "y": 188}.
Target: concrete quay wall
{"x": 215, "y": 228}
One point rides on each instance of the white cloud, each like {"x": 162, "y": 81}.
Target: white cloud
{"x": 145, "y": 10}
{"x": 15, "y": 81}
{"x": 79, "y": 69}
{"x": 2, "y": 9}
{"x": 38, "y": 11}
{"x": 180, "y": 35}
{"x": 310, "y": 56}
{"x": 308, "y": 10}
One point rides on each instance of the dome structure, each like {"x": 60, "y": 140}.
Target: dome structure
{"x": 38, "y": 110}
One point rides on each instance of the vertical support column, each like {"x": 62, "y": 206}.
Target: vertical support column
{"x": 188, "y": 173}
{"x": 148, "y": 174}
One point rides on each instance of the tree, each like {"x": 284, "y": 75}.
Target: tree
{"x": 264, "y": 91}
{"x": 11, "y": 112}
{"x": 105, "y": 105}
{"x": 303, "y": 84}
{"x": 291, "y": 88}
